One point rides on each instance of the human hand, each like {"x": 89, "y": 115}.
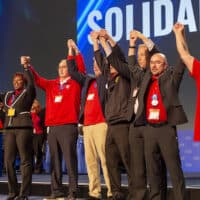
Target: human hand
{"x": 178, "y": 28}
{"x": 25, "y": 61}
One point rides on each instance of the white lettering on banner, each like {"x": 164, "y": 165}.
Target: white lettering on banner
{"x": 96, "y": 14}
{"x": 163, "y": 18}
{"x": 186, "y": 9}
{"x": 159, "y": 6}
{"x": 146, "y": 18}
{"x": 130, "y": 20}
{"x": 117, "y": 13}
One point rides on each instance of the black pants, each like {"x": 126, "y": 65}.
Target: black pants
{"x": 62, "y": 141}
{"x": 38, "y": 142}
{"x": 117, "y": 151}
{"x": 163, "y": 139}
{"x": 18, "y": 140}
{"x": 138, "y": 183}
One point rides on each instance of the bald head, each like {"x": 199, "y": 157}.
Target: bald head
{"x": 158, "y": 64}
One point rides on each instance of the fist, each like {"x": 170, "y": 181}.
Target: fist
{"x": 25, "y": 60}
{"x": 94, "y": 35}
{"x": 178, "y": 27}
{"x": 134, "y": 34}
{"x": 104, "y": 33}
{"x": 70, "y": 43}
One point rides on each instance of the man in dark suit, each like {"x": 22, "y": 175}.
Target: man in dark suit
{"x": 116, "y": 105}
{"x": 134, "y": 71}
{"x": 18, "y": 136}
{"x": 160, "y": 108}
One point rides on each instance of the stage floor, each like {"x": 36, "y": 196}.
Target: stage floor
{"x": 42, "y": 182}
{"x": 193, "y": 182}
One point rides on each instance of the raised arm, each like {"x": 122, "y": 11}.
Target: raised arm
{"x": 30, "y": 86}
{"x": 182, "y": 47}
{"x": 99, "y": 57}
{"x": 73, "y": 51}
{"x": 39, "y": 81}
{"x": 114, "y": 55}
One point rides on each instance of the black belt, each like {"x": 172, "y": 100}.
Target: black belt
{"x": 160, "y": 124}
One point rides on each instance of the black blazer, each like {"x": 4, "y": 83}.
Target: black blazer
{"x": 117, "y": 88}
{"x": 22, "y": 105}
{"x": 169, "y": 83}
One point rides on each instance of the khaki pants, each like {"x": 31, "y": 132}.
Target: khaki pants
{"x": 94, "y": 142}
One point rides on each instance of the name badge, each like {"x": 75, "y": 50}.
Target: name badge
{"x": 90, "y": 97}
{"x": 58, "y": 99}
{"x": 154, "y": 114}
{"x": 11, "y": 112}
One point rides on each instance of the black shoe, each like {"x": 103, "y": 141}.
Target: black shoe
{"x": 22, "y": 198}
{"x": 110, "y": 198}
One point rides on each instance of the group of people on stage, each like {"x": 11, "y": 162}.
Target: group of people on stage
{"x": 129, "y": 111}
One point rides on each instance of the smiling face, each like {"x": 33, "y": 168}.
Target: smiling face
{"x": 158, "y": 64}
{"x": 18, "y": 81}
{"x": 63, "y": 69}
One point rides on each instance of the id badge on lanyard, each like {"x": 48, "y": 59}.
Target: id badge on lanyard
{"x": 154, "y": 114}
{"x": 58, "y": 99}
{"x": 11, "y": 112}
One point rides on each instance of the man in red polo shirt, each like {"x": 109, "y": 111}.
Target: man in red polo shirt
{"x": 61, "y": 118}
{"x": 95, "y": 126}
{"x": 193, "y": 66}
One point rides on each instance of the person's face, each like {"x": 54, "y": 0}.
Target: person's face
{"x": 96, "y": 69}
{"x": 158, "y": 64}
{"x": 142, "y": 56}
{"x": 18, "y": 82}
{"x": 62, "y": 69}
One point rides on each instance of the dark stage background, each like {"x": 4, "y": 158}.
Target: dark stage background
{"x": 40, "y": 28}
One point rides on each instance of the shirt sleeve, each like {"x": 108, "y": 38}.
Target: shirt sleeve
{"x": 196, "y": 69}
{"x": 40, "y": 81}
{"x": 79, "y": 61}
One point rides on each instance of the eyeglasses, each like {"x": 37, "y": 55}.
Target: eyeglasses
{"x": 156, "y": 62}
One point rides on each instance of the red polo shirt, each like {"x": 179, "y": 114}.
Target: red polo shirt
{"x": 37, "y": 127}
{"x": 93, "y": 112}
{"x": 155, "y": 110}
{"x": 196, "y": 75}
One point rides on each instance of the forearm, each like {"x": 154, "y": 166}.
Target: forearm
{"x": 74, "y": 72}
{"x": 80, "y": 63}
{"x": 183, "y": 51}
{"x": 95, "y": 45}
{"x": 111, "y": 42}
{"x": 106, "y": 47}
{"x": 132, "y": 48}
{"x": 40, "y": 81}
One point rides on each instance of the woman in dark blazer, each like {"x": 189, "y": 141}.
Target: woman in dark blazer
{"x": 18, "y": 127}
